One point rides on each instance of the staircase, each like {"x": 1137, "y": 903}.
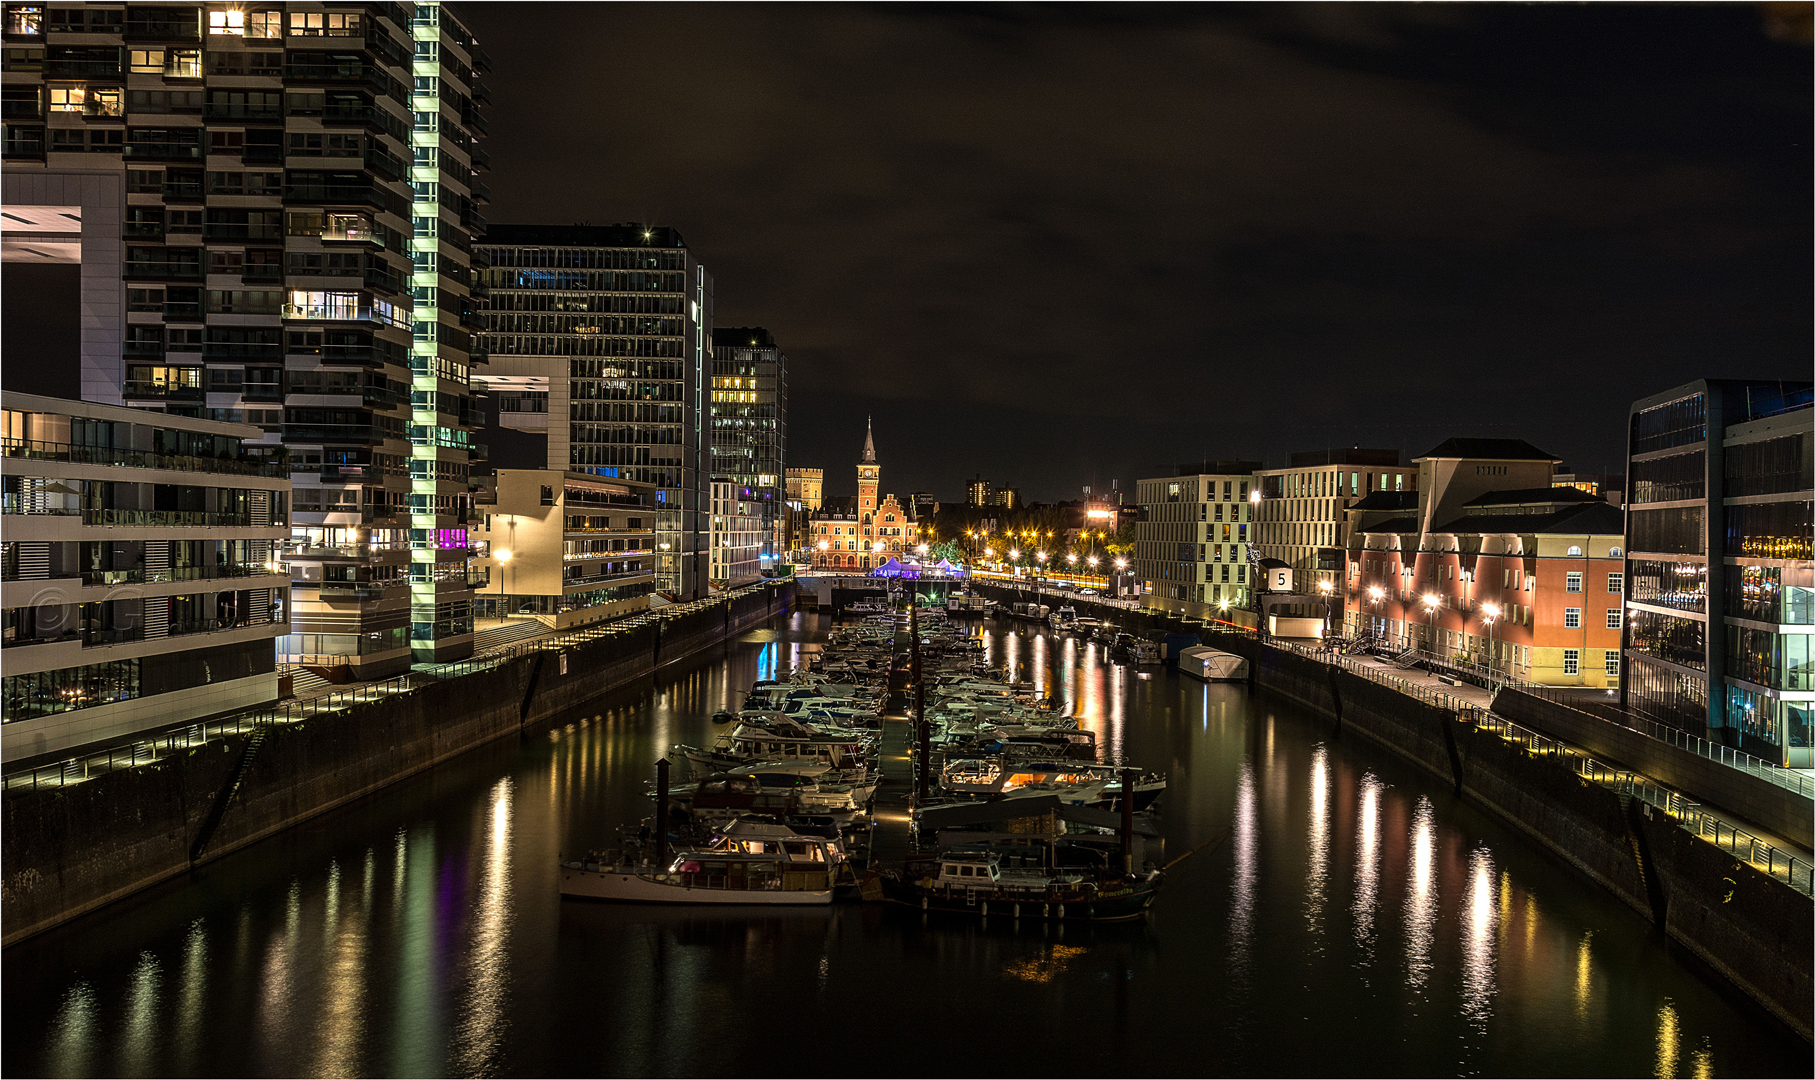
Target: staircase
{"x": 225, "y": 797}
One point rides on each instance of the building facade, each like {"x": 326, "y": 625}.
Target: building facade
{"x": 1720, "y": 489}
{"x": 601, "y": 335}
{"x": 750, "y": 426}
{"x": 141, "y": 586}
{"x": 806, "y": 487}
{"x": 736, "y": 538}
{"x": 1191, "y": 545}
{"x": 1486, "y": 564}
{"x": 565, "y": 548}
{"x": 1301, "y": 518}
{"x": 274, "y": 204}
{"x": 857, "y": 535}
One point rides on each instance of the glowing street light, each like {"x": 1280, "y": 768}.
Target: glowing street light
{"x": 502, "y": 556}
{"x": 1431, "y": 600}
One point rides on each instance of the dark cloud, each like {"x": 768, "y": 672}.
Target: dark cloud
{"x": 1049, "y": 243}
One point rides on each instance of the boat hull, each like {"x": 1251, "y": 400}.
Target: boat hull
{"x": 627, "y": 885}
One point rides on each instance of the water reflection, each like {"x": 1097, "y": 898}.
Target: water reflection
{"x": 420, "y": 933}
{"x": 1317, "y": 861}
{"x": 1480, "y": 924}
{"x": 477, "y": 1036}
{"x": 72, "y": 1034}
{"x": 1421, "y": 896}
{"x": 1367, "y": 866}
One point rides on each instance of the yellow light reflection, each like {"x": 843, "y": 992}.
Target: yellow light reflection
{"x": 1039, "y": 969}
{"x": 1480, "y": 919}
{"x": 480, "y": 1033}
{"x": 1421, "y": 896}
{"x": 1247, "y": 868}
{"x": 141, "y": 1035}
{"x": 1666, "y": 1041}
{"x": 1584, "y": 975}
{"x": 1367, "y": 865}
{"x": 1317, "y": 860}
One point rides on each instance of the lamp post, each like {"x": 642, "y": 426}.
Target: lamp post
{"x": 1324, "y": 588}
{"x": 1490, "y": 614}
{"x": 1431, "y": 600}
{"x": 1375, "y": 595}
{"x": 503, "y": 557}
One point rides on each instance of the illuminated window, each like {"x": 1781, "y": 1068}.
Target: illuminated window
{"x": 147, "y": 61}
{"x": 67, "y": 98}
{"x": 230, "y": 21}
{"x": 265, "y": 24}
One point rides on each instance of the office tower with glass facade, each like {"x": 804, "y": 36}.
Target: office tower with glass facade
{"x": 1719, "y": 570}
{"x": 602, "y": 338}
{"x": 750, "y": 426}
{"x": 272, "y": 205}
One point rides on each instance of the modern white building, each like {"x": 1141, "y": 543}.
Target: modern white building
{"x": 565, "y": 548}
{"x": 736, "y": 535}
{"x": 140, "y": 588}
{"x": 1301, "y": 519}
{"x": 1191, "y": 544}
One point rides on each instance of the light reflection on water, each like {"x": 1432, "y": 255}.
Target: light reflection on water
{"x": 1358, "y": 919}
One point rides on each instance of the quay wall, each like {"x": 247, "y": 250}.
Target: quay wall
{"x": 1749, "y": 927}
{"x": 70, "y": 850}
{"x": 1770, "y": 806}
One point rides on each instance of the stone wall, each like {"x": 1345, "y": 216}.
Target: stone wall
{"x": 71, "y": 850}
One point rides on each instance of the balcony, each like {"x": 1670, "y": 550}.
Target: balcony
{"x": 239, "y": 230}
{"x": 138, "y": 459}
{"x": 144, "y": 230}
{"x": 145, "y": 389}
{"x": 164, "y": 519}
{"x": 70, "y": 68}
{"x": 273, "y": 114}
{"x": 179, "y": 628}
{"x": 142, "y": 27}
{"x": 163, "y": 270}
{"x": 142, "y": 576}
{"x": 230, "y": 351}
{"x": 262, "y": 274}
{"x": 151, "y": 150}
{"x": 357, "y": 592}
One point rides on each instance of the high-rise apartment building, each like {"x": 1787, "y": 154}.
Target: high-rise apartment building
{"x": 979, "y": 492}
{"x": 1191, "y": 545}
{"x": 140, "y": 585}
{"x": 602, "y": 336}
{"x": 1720, "y": 627}
{"x": 272, "y": 206}
{"x": 750, "y": 425}
{"x": 1301, "y": 516}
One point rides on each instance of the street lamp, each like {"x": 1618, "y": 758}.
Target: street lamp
{"x": 1324, "y": 588}
{"x": 1490, "y": 614}
{"x": 1431, "y": 600}
{"x": 1375, "y": 595}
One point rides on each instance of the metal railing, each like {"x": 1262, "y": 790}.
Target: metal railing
{"x": 1794, "y": 780}
{"x": 153, "y": 747}
{"x": 1744, "y": 845}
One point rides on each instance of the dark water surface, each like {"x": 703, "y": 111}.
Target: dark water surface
{"x": 1359, "y": 920}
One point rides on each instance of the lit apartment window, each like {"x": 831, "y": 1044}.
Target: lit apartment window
{"x": 1572, "y": 581}
{"x": 1616, "y": 583}
{"x": 265, "y": 24}
{"x": 1572, "y": 618}
{"x": 1613, "y": 618}
{"x": 25, "y": 20}
{"x": 1572, "y": 661}
{"x": 229, "y": 21}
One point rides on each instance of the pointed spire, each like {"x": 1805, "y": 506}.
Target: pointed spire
{"x": 869, "y": 443}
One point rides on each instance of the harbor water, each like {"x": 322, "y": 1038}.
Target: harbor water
{"x": 1358, "y": 919}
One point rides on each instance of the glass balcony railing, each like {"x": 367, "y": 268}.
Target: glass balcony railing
{"x": 139, "y": 459}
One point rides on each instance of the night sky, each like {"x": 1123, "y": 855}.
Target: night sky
{"x": 1064, "y": 245}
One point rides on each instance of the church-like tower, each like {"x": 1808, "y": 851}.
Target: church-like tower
{"x": 869, "y": 477}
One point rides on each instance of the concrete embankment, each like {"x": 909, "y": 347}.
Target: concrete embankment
{"x": 70, "y": 850}
{"x": 1745, "y": 924}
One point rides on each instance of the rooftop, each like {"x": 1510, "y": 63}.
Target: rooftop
{"x": 1534, "y": 496}
{"x": 742, "y": 337}
{"x": 1595, "y": 519}
{"x": 1387, "y": 500}
{"x": 1487, "y": 450}
{"x": 1354, "y": 455}
{"x": 1219, "y": 468}
{"x": 624, "y": 235}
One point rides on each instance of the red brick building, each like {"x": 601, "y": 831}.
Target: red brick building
{"x": 857, "y": 535}
{"x": 1487, "y": 564}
